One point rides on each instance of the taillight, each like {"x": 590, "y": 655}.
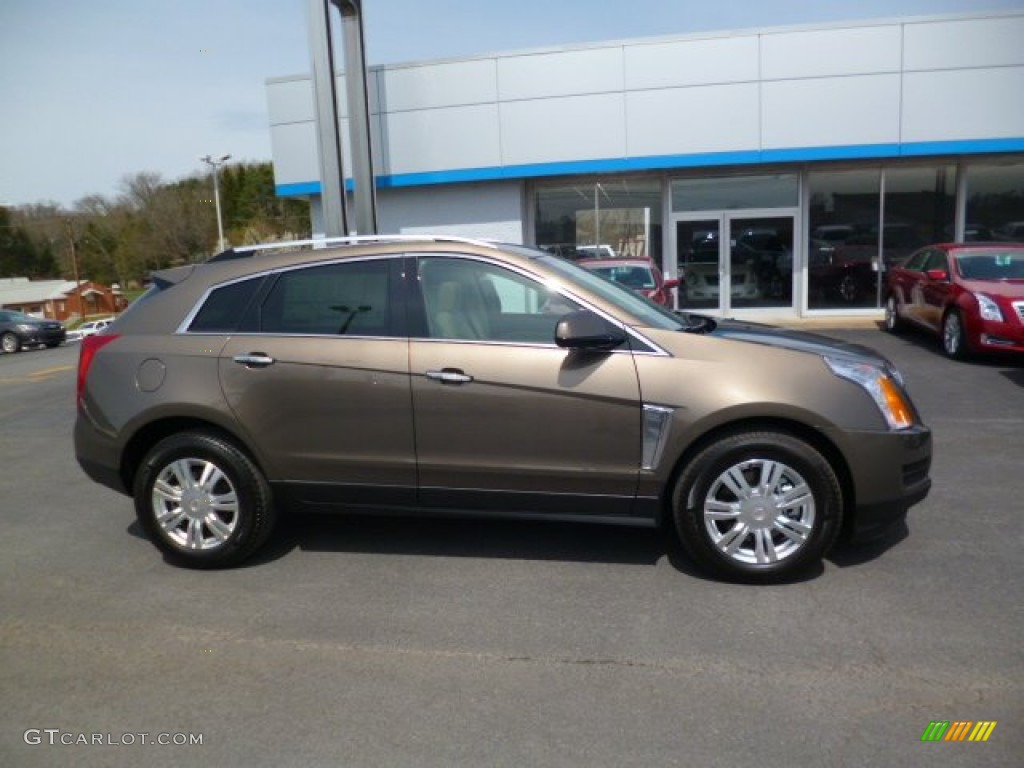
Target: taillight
{"x": 90, "y": 346}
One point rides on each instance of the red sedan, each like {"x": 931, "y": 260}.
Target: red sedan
{"x": 970, "y": 294}
{"x": 639, "y": 274}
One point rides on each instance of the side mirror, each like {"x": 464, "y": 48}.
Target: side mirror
{"x": 583, "y": 329}
{"x": 675, "y": 282}
{"x": 938, "y": 275}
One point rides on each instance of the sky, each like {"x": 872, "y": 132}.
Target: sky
{"x": 91, "y": 92}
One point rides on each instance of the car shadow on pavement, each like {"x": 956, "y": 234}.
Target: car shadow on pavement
{"x": 506, "y": 540}
{"x": 921, "y": 339}
{"x": 846, "y": 554}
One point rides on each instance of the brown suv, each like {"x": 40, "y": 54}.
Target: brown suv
{"x": 443, "y": 375}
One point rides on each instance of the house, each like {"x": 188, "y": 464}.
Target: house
{"x": 60, "y": 299}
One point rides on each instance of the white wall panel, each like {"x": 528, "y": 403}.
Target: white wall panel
{"x": 825, "y": 52}
{"x": 567, "y": 73}
{"x": 441, "y": 139}
{"x": 293, "y": 147}
{"x": 830, "y": 111}
{"x": 965, "y": 104}
{"x": 716, "y": 118}
{"x": 431, "y": 86}
{"x": 290, "y": 101}
{"x": 691, "y": 62}
{"x": 491, "y": 211}
{"x": 990, "y": 42}
{"x": 556, "y": 130}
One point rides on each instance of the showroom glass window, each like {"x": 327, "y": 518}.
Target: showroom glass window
{"x": 920, "y": 208}
{"x": 612, "y": 217}
{"x": 842, "y": 239}
{"x": 729, "y": 193}
{"x": 995, "y": 202}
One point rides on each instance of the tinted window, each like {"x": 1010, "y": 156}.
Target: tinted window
{"x": 471, "y": 300}
{"x": 224, "y": 307}
{"x": 936, "y": 260}
{"x": 916, "y": 262}
{"x": 352, "y": 299}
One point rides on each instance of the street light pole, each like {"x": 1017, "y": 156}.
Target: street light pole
{"x": 214, "y": 164}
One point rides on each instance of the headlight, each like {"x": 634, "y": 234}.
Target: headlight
{"x": 988, "y": 308}
{"x": 881, "y": 385}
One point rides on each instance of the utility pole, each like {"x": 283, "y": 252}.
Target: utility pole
{"x": 74, "y": 267}
{"x": 214, "y": 165}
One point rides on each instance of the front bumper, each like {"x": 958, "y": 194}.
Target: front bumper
{"x": 37, "y": 338}
{"x": 995, "y": 336}
{"x": 889, "y": 473}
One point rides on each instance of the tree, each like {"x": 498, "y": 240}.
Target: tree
{"x": 19, "y": 255}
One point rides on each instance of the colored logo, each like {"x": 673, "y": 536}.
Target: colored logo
{"x": 958, "y": 730}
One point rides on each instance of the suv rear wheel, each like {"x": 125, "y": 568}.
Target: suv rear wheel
{"x": 202, "y": 501}
{"x": 758, "y": 507}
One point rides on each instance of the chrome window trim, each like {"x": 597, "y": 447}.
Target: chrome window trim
{"x": 182, "y": 328}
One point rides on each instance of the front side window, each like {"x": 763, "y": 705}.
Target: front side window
{"x": 470, "y": 300}
{"x": 344, "y": 299}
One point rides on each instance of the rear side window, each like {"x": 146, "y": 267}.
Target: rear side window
{"x": 347, "y": 299}
{"x": 223, "y": 309}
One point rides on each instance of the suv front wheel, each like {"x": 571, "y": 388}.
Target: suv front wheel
{"x": 203, "y": 502}
{"x": 758, "y": 506}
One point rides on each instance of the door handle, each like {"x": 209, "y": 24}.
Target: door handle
{"x": 449, "y": 376}
{"x": 254, "y": 360}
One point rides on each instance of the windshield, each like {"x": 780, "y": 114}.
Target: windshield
{"x": 632, "y": 276}
{"x": 991, "y": 264}
{"x": 10, "y": 316}
{"x": 645, "y": 311}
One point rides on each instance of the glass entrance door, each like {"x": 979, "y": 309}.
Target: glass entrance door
{"x": 734, "y": 260}
{"x": 760, "y": 261}
{"x": 698, "y": 263}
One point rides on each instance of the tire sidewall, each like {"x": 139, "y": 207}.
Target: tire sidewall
{"x": 892, "y": 315}
{"x": 700, "y": 475}
{"x": 250, "y": 489}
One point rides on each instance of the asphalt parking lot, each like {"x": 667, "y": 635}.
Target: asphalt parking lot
{"x": 391, "y": 642}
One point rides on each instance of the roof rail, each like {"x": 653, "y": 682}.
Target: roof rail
{"x": 321, "y": 242}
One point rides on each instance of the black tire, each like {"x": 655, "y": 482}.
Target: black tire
{"x": 197, "y": 533}
{"x": 954, "y": 338}
{"x": 763, "y": 522}
{"x": 9, "y": 343}
{"x": 893, "y": 322}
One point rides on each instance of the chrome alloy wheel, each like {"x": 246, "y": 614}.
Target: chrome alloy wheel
{"x": 759, "y": 512}
{"x": 195, "y": 504}
{"x": 953, "y": 334}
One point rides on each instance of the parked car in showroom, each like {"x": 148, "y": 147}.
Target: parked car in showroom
{"x": 639, "y": 275}
{"x": 701, "y": 281}
{"x": 437, "y": 375}
{"x": 969, "y": 294}
{"x": 89, "y": 328}
{"x": 18, "y": 330}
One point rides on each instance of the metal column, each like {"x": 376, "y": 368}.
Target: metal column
{"x": 325, "y": 110}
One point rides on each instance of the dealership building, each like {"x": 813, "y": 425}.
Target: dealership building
{"x": 779, "y": 171}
